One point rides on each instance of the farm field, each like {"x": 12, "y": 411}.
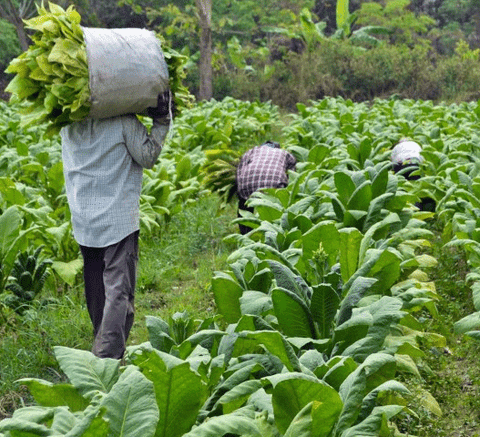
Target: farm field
{"x": 345, "y": 312}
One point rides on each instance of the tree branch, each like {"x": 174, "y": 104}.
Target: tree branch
{"x": 6, "y": 14}
{"x": 28, "y": 10}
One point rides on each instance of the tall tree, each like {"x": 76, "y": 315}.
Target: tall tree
{"x": 204, "y": 11}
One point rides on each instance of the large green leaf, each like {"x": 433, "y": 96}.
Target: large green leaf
{"x": 240, "y": 422}
{"x": 130, "y": 406}
{"x": 357, "y": 290}
{"x": 179, "y": 391}
{"x": 267, "y": 209}
{"x": 361, "y": 197}
{"x": 375, "y": 208}
{"x": 68, "y": 271}
{"x": 53, "y": 395}
{"x": 255, "y": 302}
{"x": 344, "y": 185}
{"x": 159, "y": 333}
{"x": 468, "y": 323}
{"x": 10, "y": 222}
{"x": 377, "y": 231}
{"x": 380, "y": 181}
{"x": 336, "y": 370}
{"x": 91, "y": 424}
{"x": 390, "y": 387}
{"x": 375, "y": 424}
{"x": 337, "y": 205}
{"x": 87, "y": 372}
{"x": 238, "y": 395}
{"x": 22, "y": 428}
{"x": 276, "y": 344}
{"x": 286, "y": 279}
{"x": 292, "y": 392}
{"x": 365, "y": 378}
{"x": 302, "y": 424}
{"x": 227, "y": 295}
{"x": 386, "y": 270}
{"x": 318, "y": 153}
{"x": 386, "y": 313}
{"x": 236, "y": 387}
{"x": 32, "y": 421}
{"x": 350, "y": 240}
{"x": 63, "y": 420}
{"x": 351, "y": 331}
{"x": 260, "y": 281}
{"x": 324, "y": 233}
{"x": 323, "y": 307}
{"x": 293, "y": 314}
{"x": 354, "y": 218}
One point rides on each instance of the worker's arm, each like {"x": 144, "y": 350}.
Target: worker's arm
{"x": 291, "y": 162}
{"x": 145, "y": 148}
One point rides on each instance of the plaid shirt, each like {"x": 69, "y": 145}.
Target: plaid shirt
{"x": 263, "y": 167}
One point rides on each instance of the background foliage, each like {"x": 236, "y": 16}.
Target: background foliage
{"x": 263, "y": 50}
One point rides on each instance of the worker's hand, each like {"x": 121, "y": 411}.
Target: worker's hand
{"x": 165, "y": 106}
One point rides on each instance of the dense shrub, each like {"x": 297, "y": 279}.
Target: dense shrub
{"x": 460, "y": 76}
{"x": 337, "y": 68}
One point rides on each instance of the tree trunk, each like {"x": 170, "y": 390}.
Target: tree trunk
{"x": 204, "y": 8}
{"x": 15, "y": 14}
{"x": 22, "y": 35}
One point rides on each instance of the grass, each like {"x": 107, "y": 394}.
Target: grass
{"x": 26, "y": 348}
{"x": 451, "y": 374}
{"x": 175, "y": 269}
{"x": 455, "y": 381}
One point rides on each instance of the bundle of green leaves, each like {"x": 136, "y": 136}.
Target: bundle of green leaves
{"x": 51, "y": 77}
{"x": 176, "y": 72}
{"x": 220, "y": 172}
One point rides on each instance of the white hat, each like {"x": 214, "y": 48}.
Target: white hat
{"x": 406, "y": 150}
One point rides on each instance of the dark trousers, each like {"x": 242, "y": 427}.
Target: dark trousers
{"x": 241, "y": 206}
{"x": 110, "y": 276}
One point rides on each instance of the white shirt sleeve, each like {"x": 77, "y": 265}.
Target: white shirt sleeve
{"x": 143, "y": 147}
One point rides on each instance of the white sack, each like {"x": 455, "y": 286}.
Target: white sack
{"x": 127, "y": 70}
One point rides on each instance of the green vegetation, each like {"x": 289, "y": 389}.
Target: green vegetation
{"x": 344, "y": 312}
{"x": 296, "y": 51}
{"x": 9, "y": 46}
{"x": 344, "y": 306}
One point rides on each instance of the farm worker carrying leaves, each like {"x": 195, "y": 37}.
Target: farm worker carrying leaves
{"x": 264, "y": 166}
{"x": 103, "y": 161}
{"x": 406, "y": 160}
{"x": 90, "y": 83}
{"x": 103, "y": 158}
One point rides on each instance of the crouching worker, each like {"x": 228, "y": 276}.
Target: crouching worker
{"x": 406, "y": 160}
{"x": 103, "y": 162}
{"x": 264, "y": 166}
